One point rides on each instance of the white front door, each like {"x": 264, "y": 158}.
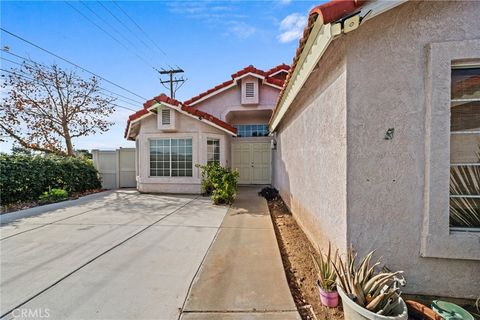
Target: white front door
{"x": 253, "y": 160}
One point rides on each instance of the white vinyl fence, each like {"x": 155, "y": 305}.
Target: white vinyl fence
{"x": 116, "y": 167}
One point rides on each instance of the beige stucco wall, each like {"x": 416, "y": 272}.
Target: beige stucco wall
{"x": 386, "y": 71}
{"x": 359, "y": 188}
{"x": 309, "y": 164}
{"x": 187, "y": 127}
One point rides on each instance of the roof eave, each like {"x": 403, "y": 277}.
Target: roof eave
{"x": 302, "y": 70}
{"x": 317, "y": 42}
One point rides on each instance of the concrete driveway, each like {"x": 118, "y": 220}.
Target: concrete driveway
{"x": 121, "y": 255}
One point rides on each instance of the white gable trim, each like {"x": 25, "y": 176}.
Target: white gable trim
{"x": 277, "y": 72}
{"x": 235, "y": 82}
{"x": 136, "y": 120}
{"x": 179, "y": 109}
{"x": 272, "y": 85}
{"x": 249, "y": 74}
{"x": 208, "y": 96}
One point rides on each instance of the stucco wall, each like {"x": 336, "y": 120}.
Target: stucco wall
{"x": 386, "y": 70}
{"x": 341, "y": 179}
{"x": 187, "y": 127}
{"x": 309, "y": 164}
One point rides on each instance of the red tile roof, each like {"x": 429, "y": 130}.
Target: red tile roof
{"x": 282, "y": 66}
{"x": 328, "y": 12}
{"x": 238, "y": 74}
{"x": 164, "y": 98}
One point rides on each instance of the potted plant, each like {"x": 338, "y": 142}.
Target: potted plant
{"x": 327, "y": 278}
{"x": 367, "y": 293}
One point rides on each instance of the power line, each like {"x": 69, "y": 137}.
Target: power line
{"x": 145, "y": 44}
{"x": 32, "y": 79}
{"x": 174, "y": 83}
{"x": 45, "y": 66}
{"x": 24, "y": 75}
{"x": 108, "y": 34}
{"x": 119, "y": 33}
{"x": 141, "y": 30}
{"x": 70, "y": 62}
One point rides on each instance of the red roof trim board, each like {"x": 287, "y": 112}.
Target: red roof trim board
{"x": 328, "y": 12}
{"x": 249, "y": 69}
{"x": 183, "y": 107}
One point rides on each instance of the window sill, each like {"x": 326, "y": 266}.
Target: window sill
{"x": 464, "y": 245}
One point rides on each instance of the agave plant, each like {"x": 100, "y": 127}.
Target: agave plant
{"x": 464, "y": 212}
{"x": 325, "y": 270}
{"x": 378, "y": 292}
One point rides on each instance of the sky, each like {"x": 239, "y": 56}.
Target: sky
{"x": 209, "y": 40}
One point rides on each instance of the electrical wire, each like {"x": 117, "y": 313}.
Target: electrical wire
{"x": 142, "y": 30}
{"x": 70, "y": 62}
{"x": 20, "y": 74}
{"x": 48, "y": 67}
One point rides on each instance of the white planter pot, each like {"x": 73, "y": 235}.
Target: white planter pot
{"x": 353, "y": 311}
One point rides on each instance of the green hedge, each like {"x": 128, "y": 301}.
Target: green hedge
{"x": 25, "y": 178}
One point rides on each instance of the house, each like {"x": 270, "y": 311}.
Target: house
{"x": 377, "y": 132}
{"x": 227, "y": 124}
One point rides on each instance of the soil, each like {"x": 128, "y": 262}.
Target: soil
{"x": 31, "y": 204}
{"x": 296, "y": 251}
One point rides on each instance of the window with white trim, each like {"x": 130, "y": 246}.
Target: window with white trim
{"x": 465, "y": 149}
{"x": 171, "y": 158}
{"x": 213, "y": 151}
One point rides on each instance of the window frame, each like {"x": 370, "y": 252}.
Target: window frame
{"x": 217, "y": 140}
{"x": 462, "y": 66}
{"x": 170, "y": 161}
{"x": 243, "y": 128}
{"x": 437, "y": 240}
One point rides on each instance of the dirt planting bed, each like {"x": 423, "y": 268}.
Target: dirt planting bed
{"x": 296, "y": 252}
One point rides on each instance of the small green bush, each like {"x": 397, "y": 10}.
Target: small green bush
{"x": 25, "y": 177}
{"x": 53, "y": 195}
{"x": 219, "y": 182}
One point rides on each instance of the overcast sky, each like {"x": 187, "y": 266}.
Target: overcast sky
{"x": 210, "y": 40}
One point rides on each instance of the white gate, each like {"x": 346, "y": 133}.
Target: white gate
{"x": 116, "y": 167}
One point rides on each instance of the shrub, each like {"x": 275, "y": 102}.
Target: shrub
{"x": 25, "y": 178}
{"x": 53, "y": 195}
{"x": 219, "y": 182}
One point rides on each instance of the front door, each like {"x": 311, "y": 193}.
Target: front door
{"x": 253, "y": 160}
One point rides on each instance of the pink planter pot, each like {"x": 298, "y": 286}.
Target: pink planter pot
{"x": 329, "y": 299}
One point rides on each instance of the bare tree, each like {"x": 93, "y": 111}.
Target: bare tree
{"x": 45, "y": 108}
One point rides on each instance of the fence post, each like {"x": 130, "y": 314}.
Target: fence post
{"x": 117, "y": 171}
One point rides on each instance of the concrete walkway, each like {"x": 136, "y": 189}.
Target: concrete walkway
{"x": 121, "y": 255}
{"x": 242, "y": 276}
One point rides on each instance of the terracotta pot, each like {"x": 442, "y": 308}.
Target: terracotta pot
{"x": 420, "y": 311}
{"x": 328, "y": 299}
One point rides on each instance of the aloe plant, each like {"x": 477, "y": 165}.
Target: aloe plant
{"x": 378, "y": 292}
{"x": 325, "y": 269}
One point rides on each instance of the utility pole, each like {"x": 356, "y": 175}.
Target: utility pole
{"x": 173, "y": 83}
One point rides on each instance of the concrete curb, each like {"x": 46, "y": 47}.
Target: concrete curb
{"x": 12, "y": 216}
